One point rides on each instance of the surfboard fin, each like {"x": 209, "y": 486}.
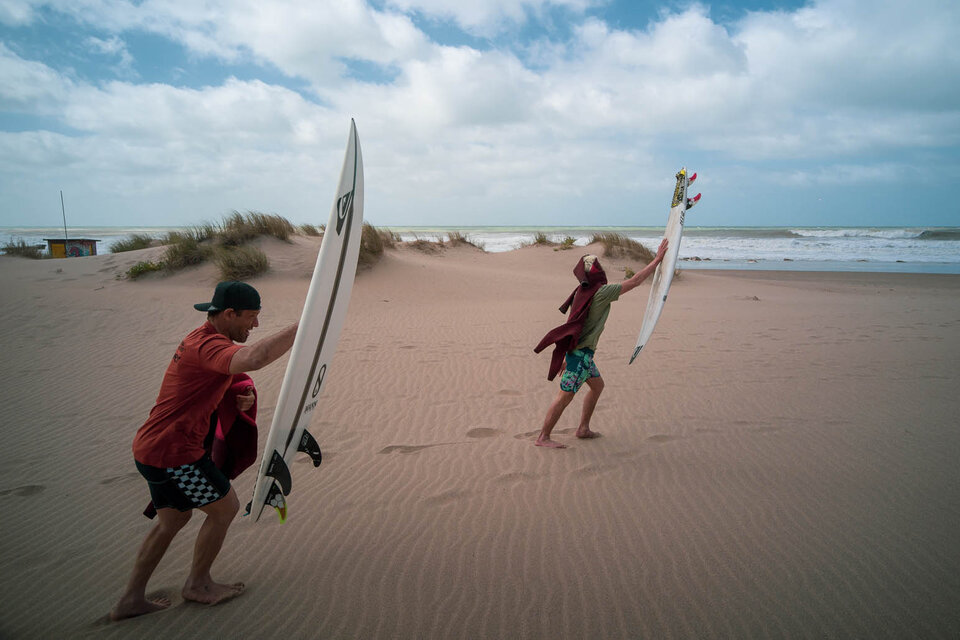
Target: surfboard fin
{"x": 275, "y": 499}
{"x": 279, "y": 471}
{"x": 692, "y": 178}
{"x": 309, "y": 446}
{"x": 692, "y": 201}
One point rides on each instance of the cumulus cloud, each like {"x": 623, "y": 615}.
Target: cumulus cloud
{"x": 486, "y": 17}
{"x": 30, "y": 87}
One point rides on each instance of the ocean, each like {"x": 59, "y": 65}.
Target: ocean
{"x": 889, "y": 249}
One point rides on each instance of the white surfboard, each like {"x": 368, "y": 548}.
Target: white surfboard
{"x": 663, "y": 276}
{"x": 323, "y": 315}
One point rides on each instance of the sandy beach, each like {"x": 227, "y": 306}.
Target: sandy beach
{"x": 780, "y": 461}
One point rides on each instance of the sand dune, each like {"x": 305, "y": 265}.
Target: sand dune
{"x": 781, "y": 461}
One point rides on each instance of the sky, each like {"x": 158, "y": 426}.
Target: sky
{"x": 487, "y": 112}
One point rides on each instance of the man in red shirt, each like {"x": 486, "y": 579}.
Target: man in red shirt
{"x": 169, "y": 448}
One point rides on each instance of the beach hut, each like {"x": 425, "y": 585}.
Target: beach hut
{"x": 71, "y": 247}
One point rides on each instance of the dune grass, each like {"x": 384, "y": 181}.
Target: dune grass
{"x": 457, "y": 238}
{"x": 619, "y": 246}
{"x": 134, "y": 242}
{"x": 372, "y": 243}
{"x": 541, "y": 239}
{"x": 240, "y": 228}
{"x": 184, "y": 250}
{"x": 240, "y": 263}
{"x": 20, "y": 248}
{"x": 142, "y": 268}
{"x": 426, "y": 246}
{"x": 227, "y": 245}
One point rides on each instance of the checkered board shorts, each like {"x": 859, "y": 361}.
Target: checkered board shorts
{"x": 185, "y": 487}
{"x": 194, "y": 485}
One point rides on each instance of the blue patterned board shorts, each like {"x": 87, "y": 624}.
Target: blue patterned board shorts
{"x": 185, "y": 487}
{"x": 580, "y": 368}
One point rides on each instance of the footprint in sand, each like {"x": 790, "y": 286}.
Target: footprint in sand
{"x": 483, "y": 432}
{"x": 527, "y": 434}
{"x": 111, "y": 480}
{"x": 661, "y": 438}
{"x": 24, "y": 491}
{"x": 406, "y": 448}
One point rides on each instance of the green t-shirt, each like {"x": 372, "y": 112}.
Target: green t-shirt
{"x": 597, "y": 316}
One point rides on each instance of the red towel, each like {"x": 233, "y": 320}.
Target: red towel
{"x": 234, "y": 446}
{"x": 235, "y": 441}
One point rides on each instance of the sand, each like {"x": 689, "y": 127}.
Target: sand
{"x": 781, "y": 461}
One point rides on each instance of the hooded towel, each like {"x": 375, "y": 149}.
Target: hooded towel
{"x": 565, "y": 337}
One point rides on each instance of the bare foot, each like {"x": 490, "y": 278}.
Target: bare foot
{"x": 586, "y": 434}
{"x": 547, "y": 442}
{"x": 131, "y": 608}
{"x": 212, "y": 592}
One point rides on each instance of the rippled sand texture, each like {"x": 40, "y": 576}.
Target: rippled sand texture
{"x": 781, "y": 461}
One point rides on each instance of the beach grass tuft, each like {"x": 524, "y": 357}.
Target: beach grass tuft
{"x": 142, "y": 268}
{"x": 133, "y": 243}
{"x": 372, "y": 243}
{"x": 240, "y": 263}
{"x": 457, "y": 238}
{"x": 239, "y": 228}
{"x": 541, "y": 239}
{"x": 616, "y": 245}
{"x": 184, "y": 250}
{"x": 20, "y": 248}
{"x": 310, "y": 230}
{"x": 426, "y": 246}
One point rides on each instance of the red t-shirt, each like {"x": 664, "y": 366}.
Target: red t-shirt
{"x": 193, "y": 386}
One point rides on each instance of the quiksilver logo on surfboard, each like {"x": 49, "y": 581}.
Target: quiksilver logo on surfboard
{"x": 344, "y": 209}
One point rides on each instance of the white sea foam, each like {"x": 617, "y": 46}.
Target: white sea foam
{"x": 867, "y": 249}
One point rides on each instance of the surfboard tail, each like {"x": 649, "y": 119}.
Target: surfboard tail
{"x": 280, "y": 472}
{"x": 276, "y": 500}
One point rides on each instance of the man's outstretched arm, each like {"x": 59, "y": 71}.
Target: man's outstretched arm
{"x": 264, "y": 352}
{"x": 643, "y": 274}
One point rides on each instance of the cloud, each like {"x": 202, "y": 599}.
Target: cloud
{"x": 486, "y": 17}
{"x": 527, "y": 128}
{"x": 16, "y": 12}
{"x": 27, "y": 86}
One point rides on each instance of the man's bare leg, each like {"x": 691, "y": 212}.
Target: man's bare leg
{"x": 134, "y": 601}
{"x": 594, "y": 389}
{"x": 200, "y": 586}
{"x": 559, "y": 403}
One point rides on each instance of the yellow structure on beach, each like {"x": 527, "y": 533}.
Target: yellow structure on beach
{"x": 71, "y": 247}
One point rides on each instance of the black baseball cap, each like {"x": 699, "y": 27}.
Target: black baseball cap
{"x": 238, "y": 296}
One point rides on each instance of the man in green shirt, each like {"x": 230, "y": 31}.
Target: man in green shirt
{"x": 580, "y": 367}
